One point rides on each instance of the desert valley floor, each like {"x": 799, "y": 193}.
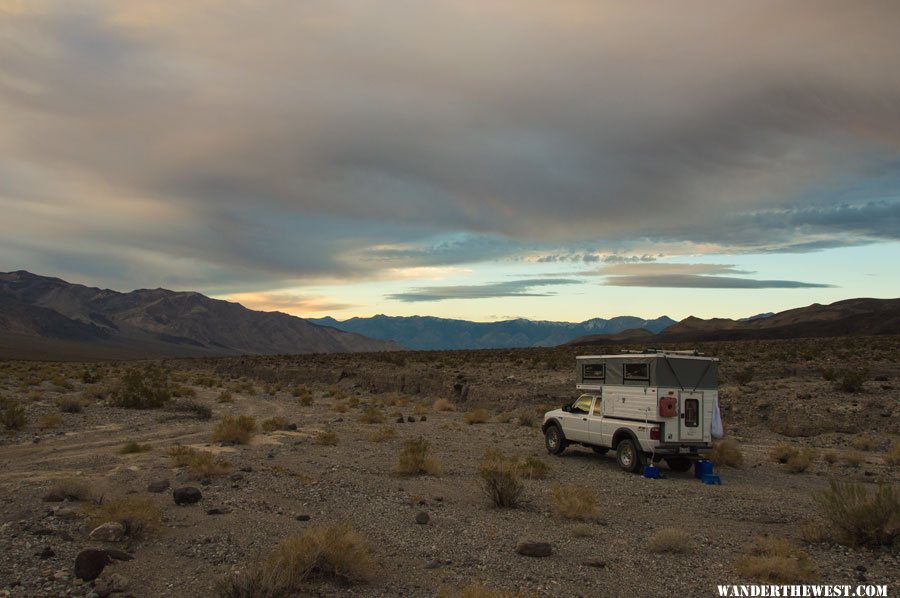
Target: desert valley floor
{"x": 330, "y": 429}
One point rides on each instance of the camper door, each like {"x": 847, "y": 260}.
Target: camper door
{"x": 690, "y": 422}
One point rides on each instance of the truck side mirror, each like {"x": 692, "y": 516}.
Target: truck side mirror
{"x": 567, "y": 408}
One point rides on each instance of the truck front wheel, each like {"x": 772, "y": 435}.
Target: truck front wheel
{"x": 629, "y": 456}
{"x": 554, "y": 439}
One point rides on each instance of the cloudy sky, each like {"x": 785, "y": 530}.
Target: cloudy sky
{"x": 556, "y": 160}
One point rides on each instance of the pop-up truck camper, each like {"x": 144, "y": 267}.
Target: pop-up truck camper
{"x": 659, "y": 405}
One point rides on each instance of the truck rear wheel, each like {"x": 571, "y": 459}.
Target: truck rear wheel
{"x": 629, "y": 456}
{"x": 678, "y": 463}
{"x": 554, "y": 439}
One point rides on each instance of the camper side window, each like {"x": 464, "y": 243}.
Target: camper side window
{"x": 593, "y": 371}
{"x": 636, "y": 371}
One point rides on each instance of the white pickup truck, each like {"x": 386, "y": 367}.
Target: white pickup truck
{"x": 655, "y": 405}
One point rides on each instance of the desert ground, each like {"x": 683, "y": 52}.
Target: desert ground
{"x": 325, "y": 448}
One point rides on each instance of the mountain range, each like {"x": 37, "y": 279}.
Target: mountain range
{"x": 430, "y": 333}
{"x": 49, "y": 318}
{"x": 852, "y": 317}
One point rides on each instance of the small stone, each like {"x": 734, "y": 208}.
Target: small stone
{"x": 157, "y": 486}
{"x": 186, "y": 495}
{"x": 594, "y": 563}
{"x": 302, "y": 517}
{"x": 46, "y": 553}
{"x": 66, "y": 514}
{"x": 535, "y": 549}
{"x": 433, "y": 564}
{"x": 246, "y": 469}
{"x": 270, "y": 456}
{"x": 292, "y": 427}
{"x": 423, "y": 419}
{"x": 217, "y": 510}
{"x": 111, "y": 531}
{"x": 116, "y": 582}
{"x": 861, "y": 568}
{"x": 410, "y": 419}
{"x": 422, "y": 518}
{"x": 400, "y": 420}
{"x": 236, "y": 477}
{"x": 205, "y": 482}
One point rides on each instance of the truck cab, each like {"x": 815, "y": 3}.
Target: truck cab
{"x": 655, "y": 405}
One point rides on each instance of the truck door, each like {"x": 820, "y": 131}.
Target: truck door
{"x": 576, "y": 424}
{"x": 690, "y": 422}
{"x": 595, "y": 424}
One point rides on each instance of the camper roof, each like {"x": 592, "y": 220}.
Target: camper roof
{"x": 673, "y": 354}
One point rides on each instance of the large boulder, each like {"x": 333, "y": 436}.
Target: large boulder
{"x": 186, "y": 495}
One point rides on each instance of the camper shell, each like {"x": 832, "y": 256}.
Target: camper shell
{"x": 655, "y": 404}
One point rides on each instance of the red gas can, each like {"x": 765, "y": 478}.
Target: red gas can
{"x": 668, "y": 407}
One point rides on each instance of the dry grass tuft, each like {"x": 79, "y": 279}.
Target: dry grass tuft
{"x": 801, "y": 461}
{"x": 275, "y": 423}
{"x": 859, "y": 517}
{"x": 134, "y": 447}
{"x": 775, "y": 560}
{"x": 500, "y": 480}
{"x": 372, "y": 415}
{"x": 49, "y": 421}
{"x": 852, "y": 458}
{"x": 234, "y": 429}
{"x": 326, "y": 437}
{"x": 225, "y": 397}
{"x": 573, "y": 502}
{"x": 69, "y": 489}
{"x": 893, "y": 454}
{"x": 727, "y": 453}
{"x": 783, "y": 451}
{"x": 382, "y": 434}
{"x": 70, "y": 405}
{"x": 140, "y": 515}
{"x": 477, "y": 416}
{"x": 443, "y": 405}
{"x": 533, "y": 468}
{"x": 415, "y": 460}
{"x": 864, "y": 442}
{"x": 671, "y": 540}
{"x": 200, "y": 463}
{"x": 12, "y": 415}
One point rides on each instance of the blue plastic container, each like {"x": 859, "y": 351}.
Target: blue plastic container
{"x": 651, "y": 471}
{"x": 702, "y": 467}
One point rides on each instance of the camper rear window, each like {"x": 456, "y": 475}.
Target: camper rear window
{"x": 636, "y": 371}
{"x": 593, "y": 371}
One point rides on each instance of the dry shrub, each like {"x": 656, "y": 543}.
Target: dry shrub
{"x": 305, "y": 400}
{"x": 727, "y": 453}
{"x": 830, "y": 457}
{"x": 140, "y": 515}
{"x": 50, "y": 421}
{"x": 12, "y": 415}
{"x": 322, "y": 553}
{"x": 893, "y": 455}
{"x": 852, "y": 458}
{"x": 800, "y": 461}
{"x": 69, "y": 489}
{"x": 70, "y": 405}
{"x": 415, "y": 460}
{"x": 420, "y": 409}
{"x": 864, "y": 442}
{"x": 782, "y": 452}
{"x": 225, "y": 397}
{"x": 382, "y": 434}
{"x": 526, "y": 419}
{"x": 477, "y": 416}
{"x": 275, "y": 423}
{"x": 671, "y": 540}
{"x": 200, "y": 463}
{"x": 372, "y": 415}
{"x": 146, "y": 388}
{"x": 191, "y": 408}
{"x": 234, "y": 429}
{"x": 533, "y": 468}
{"x": 775, "y": 560}
{"x": 573, "y": 502}
{"x": 134, "y": 447}
{"x": 859, "y": 517}
{"x": 340, "y": 407}
{"x": 326, "y": 437}
{"x": 476, "y": 590}
{"x": 443, "y": 405}
{"x": 500, "y": 480}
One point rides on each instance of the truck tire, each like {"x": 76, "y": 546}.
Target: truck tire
{"x": 554, "y": 440}
{"x": 629, "y": 455}
{"x": 600, "y": 450}
{"x": 679, "y": 463}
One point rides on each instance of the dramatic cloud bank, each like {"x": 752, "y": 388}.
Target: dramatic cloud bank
{"x": 233, "y": 146}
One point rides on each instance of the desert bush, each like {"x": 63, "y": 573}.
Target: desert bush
{"x": 852, "y": 458}
{"x": 140, "y": 515}
{"x": 326, "y": 437}
{"x": 200, "y": 463}
{"x": 829, "y": 374}
{"x": 744, "y": 377}
{"x": 415, "y": 460}
{"x": 727, "y": 453}
{"x": 305, "y": 400}
{"x": 533, "y": 468}
{"x": 71, "y": 489}
{"x": 860, "y": 517}
{"x": 244, "y": 387}
{"x": 382, "y": 434}
{"x": 477, "y": 416}
{"x": 573, "y": 502}
{"x": 275, "y": 423}
{"x": 134, "y": 447}
{"x": 526, "y": 419}
{"x": 830, "y": 457}
{"x": 322, "y": 553}
{"x": 146, "y": 388}
{"x": 12, "y": 415}
{"x": 191, "y": 408}
{"x": 234, "y": 430}
{"x": 49, "y": 421}
{"x": 89, "y": 377}
{"x": 852, "y": 380}
{"x": 372, "y": 415}
{"x": 774, "y": 560}
{"x": 893, "y": 454}
{"x": 671, "y": 540}
{"x": 443, "y": 405}
{"x": 864, "y": 442}
{"x": 183, "y": 391}
{"x": 800, "y": 461}
{"x": 225, "y": 397}
{"x": 782, "y": 452}
{"x": 500, "y": 480}
{"x": 340, "y": 407}
{"x": 70, "y": 405}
